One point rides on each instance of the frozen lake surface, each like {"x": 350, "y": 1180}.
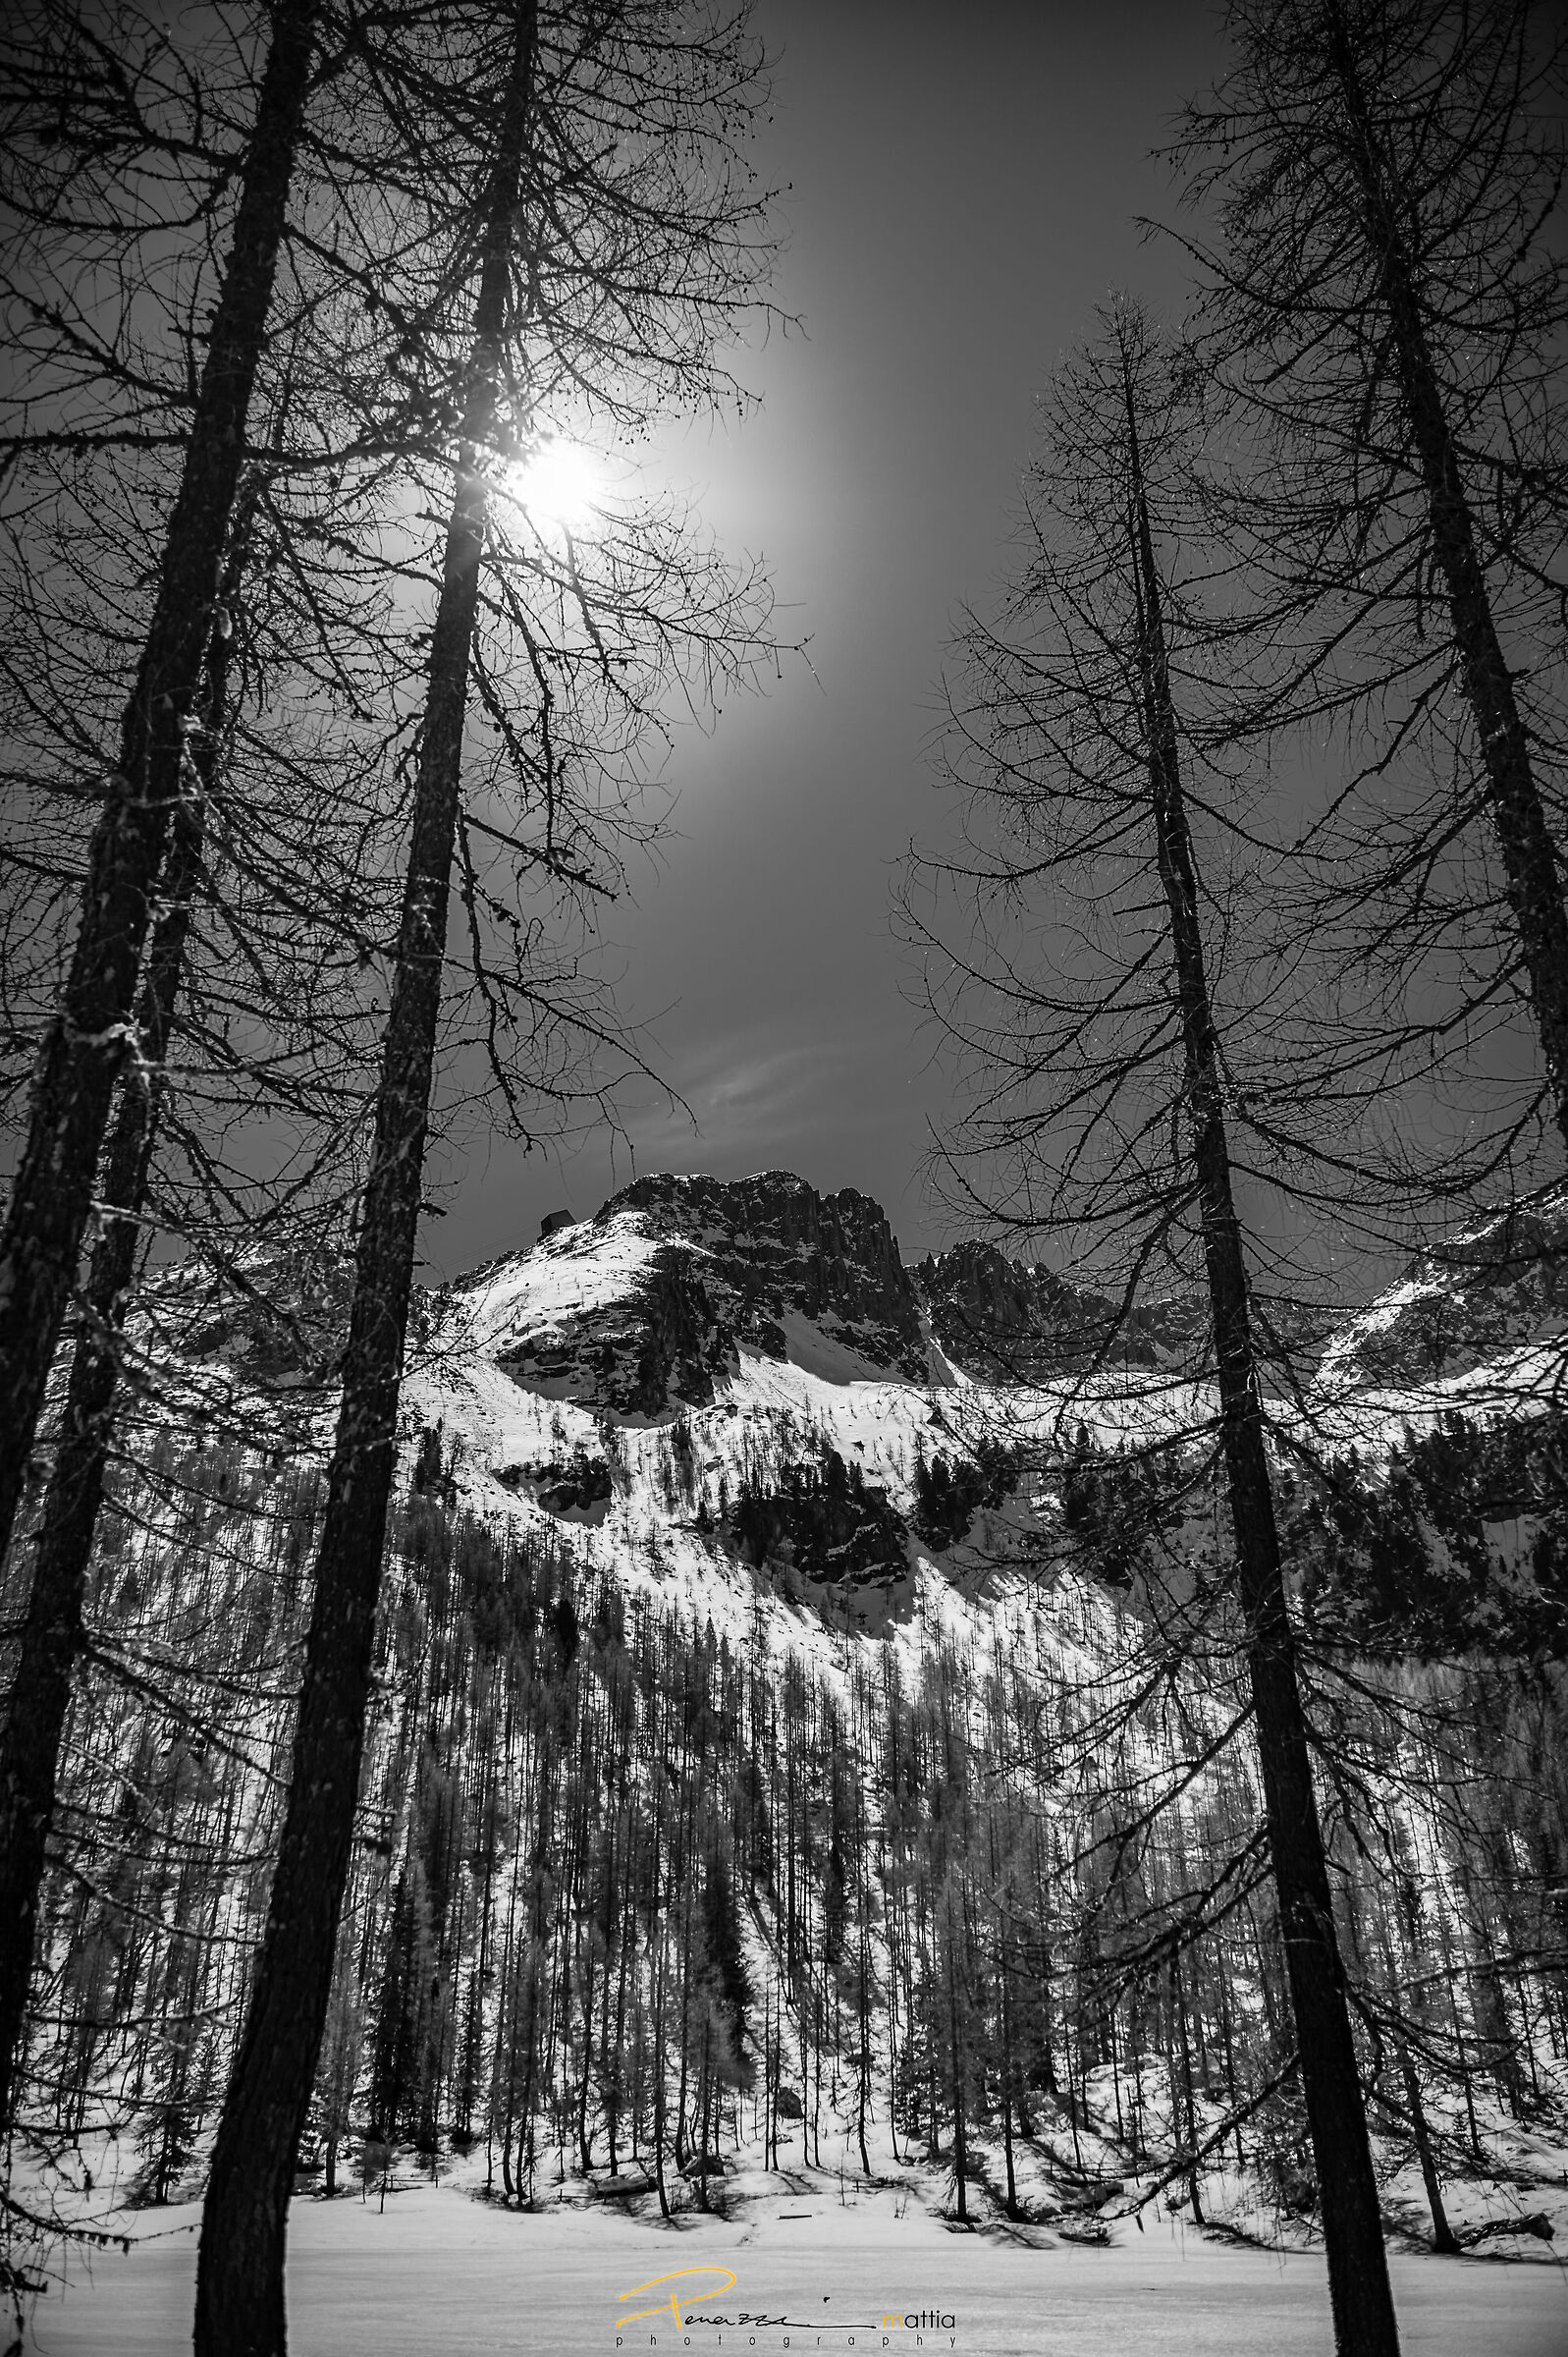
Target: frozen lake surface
{"x": 437, "y": 2270}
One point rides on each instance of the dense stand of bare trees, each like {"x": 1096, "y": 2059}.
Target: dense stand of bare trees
{"x": 625, "y": 1892}
{"x": 331, "y": 1819}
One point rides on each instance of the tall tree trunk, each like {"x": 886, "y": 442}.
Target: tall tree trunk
{"x": 239, "y": 2273}
{"x": 1443, "y": 2237}
{"x": 86, "y": 1044}
{"x": 960, "y": 2144}
{"x": 1358, "y": 2264}
{"x": 1532, "y": 879}
{"x": 700, "y": 2158}
{"x": 51, "y": 1629}
{"x": 1178, "y": 1999}
{"x": 659, "y": 2095}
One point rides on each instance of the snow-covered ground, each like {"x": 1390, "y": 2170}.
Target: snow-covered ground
{"x": 438, "y": 2270}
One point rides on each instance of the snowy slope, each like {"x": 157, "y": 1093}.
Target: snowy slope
{"x": 621, "y": 1382}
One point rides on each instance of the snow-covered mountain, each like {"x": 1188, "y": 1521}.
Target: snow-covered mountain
{"x": 1481, "y": 1299}
{"x": 1006, "y": 1321}
{"x": 680, "y": 1288}
{"x": 650, "y": 1304}
{"x": 712, "y": 1386}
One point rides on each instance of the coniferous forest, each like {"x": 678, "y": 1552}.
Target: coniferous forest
{"x": 627, "y": 1893}
{"x": 1063, "y": 1740}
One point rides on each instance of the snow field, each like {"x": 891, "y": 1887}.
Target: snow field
{"x": 439, "y": 2271}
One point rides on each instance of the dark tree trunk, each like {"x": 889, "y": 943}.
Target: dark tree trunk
{"x": 961, "y": 2147}
{"x": 1004, "y": 1995}
{"x": 1358, "y": 2265}
{"x": 1178, "y": 2000}
{"x": 239, "y": 2273}
{"x": 84, "y": 1046}
{"x": 1531, "y": 875}
{"x": 660, "y": 2099}
{"x": 1443, "y": 2237}
{"x": 51, "y": 1629}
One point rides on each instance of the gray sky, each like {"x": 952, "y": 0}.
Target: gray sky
{"x": 961, "y": 191}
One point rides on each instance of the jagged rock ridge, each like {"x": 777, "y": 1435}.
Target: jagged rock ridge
{"x": 1000, "y": 1321}
{"x": 645, "y": 1306}
{"x": 1498, "y": 1285}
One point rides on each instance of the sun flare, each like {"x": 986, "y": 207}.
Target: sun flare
{"x": 560, "y": 484}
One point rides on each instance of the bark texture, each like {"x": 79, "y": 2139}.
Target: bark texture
{"x": 1358, "y": 2266}
{"x": 52, "y": 1626}
{"x": 1531, "y": 875}
{"x": 86, "y": 1044}
{"x": 240, "y": 2272}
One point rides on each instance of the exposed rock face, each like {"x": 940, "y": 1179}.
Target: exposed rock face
{"x": 278, "y": 1320}
{"x": 644, "y": 1307}
{"x": 1003, "y": 1322}
{"x": 779, "y": 1248}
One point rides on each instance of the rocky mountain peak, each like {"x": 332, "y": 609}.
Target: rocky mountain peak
{"x": 824, "y": 1256}
{"x": 1498, "y": 1284}
{"x": 1002, "y": 1320}
{"x": 643, "y": 1307}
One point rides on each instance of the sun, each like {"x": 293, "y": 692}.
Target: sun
{"x": 559, "y": 483}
